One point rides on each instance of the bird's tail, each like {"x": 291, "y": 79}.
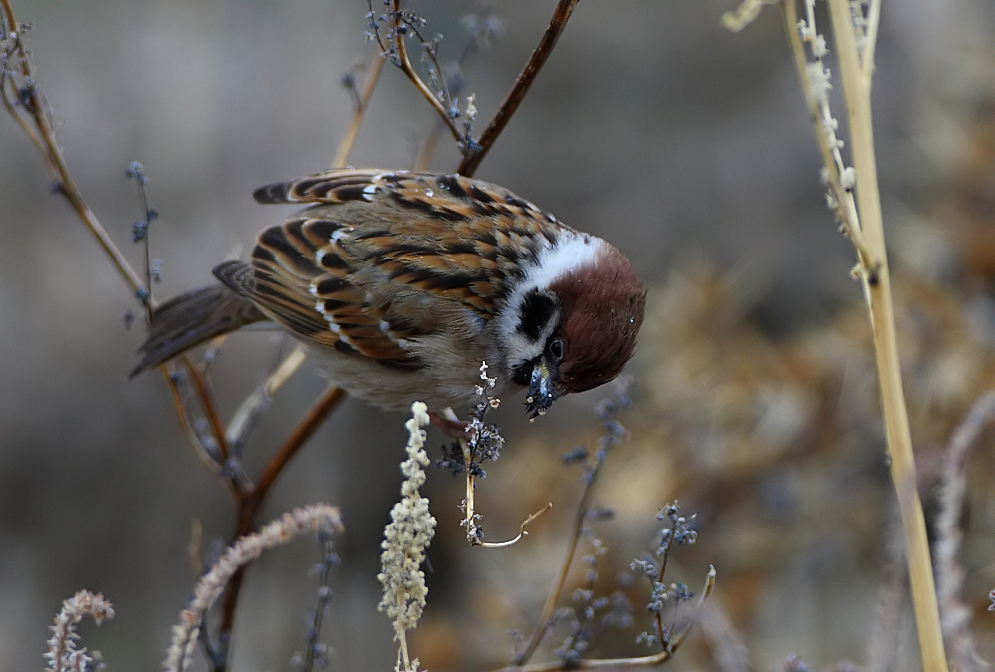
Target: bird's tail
{"x": 191, "y": 319}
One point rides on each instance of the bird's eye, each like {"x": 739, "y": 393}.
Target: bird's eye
{"x": 556, "y": 350}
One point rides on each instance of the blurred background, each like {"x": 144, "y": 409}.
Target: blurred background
{"x": 754, "y": 400}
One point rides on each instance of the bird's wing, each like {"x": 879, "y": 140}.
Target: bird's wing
{"x": 381, "y": 258}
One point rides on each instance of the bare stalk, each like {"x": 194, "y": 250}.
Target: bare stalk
{"x": 32, "y": 114}
{"x": 955, "y": 616}
{"x": 548, "y": 609}
{"x": 619, "y": 663}
{"x": 24, "y": 102}
{"x": 877, "y": 290}
{"x": 471, "y": 161}
{"x": 349, "y": 139}
{"x": 822, "y": 119}
{"x": 44, "y": 137}
{"x": 405, "y": 64}
{"x": 317, "y": 517}
{"x": 251, "y": 499}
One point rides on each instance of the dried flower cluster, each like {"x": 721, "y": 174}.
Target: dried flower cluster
{"x": 314, "y": 518}
{"x": 406, "y": 539}
{"x": 62, "y": 654}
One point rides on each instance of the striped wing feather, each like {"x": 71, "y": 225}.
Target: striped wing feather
{"x": 381, "y": 258}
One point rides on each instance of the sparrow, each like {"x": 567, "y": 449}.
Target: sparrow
{"x": 403, "y": 283}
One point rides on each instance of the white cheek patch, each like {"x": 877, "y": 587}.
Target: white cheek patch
{"x": 572, "y": 251}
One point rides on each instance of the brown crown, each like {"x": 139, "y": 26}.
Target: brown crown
{"x": 603, "y": 306}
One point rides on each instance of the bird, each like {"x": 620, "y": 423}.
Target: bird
{"x": 403, "y": 284}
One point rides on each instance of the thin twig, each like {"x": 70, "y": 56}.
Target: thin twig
{"x": 641, "y": 661}
{"x": 427, "y": 151}
{"x": 955, "y": 616}
{"x": 44, "y": 138}
{"x": 832, "y": 161}
{"x": 304, "y": 430}
{"x": 404, "y": 63}
{"x": 245, "y": 549}
{"x": 471, "y": 159}
{"x": 179, "y": 391}
{"x": 349, "y": 139}
{"x": 549, "y": 608}
{"x": 867, "y": 56}
{"x": 522, "y": 532}
{"x": 35, "y": 106}
{"x": 659, "y": 579}
{"x": 248, "y": 414}
{"x": 207, "y": 404}
{"x": 248, "y": 497}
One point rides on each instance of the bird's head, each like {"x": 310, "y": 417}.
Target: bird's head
{"x": 575, "y": 319}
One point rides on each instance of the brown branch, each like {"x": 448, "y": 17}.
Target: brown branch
{"x": 197, "y": 440}
{"x": 252, "y": 499}
{"x": 317, "y": 414}
{"x": 471, "y": 161}
{"x": 206, "y": 399}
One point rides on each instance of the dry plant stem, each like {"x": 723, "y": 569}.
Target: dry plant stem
{"x": 349, "y": 139}
{"x": 831, "y": 157}
{"x": 44, "y": 137}
{"x": 183, "y": 413}
{"x": 174, "y": 391}
{"x": 62, "y": 651}
{"x": 206, "y": 398}
{"x": 242, "y": 551}
{"x": 877, "y": 288}
{"x": 471, "y": 515}
{"x": 659, "y": 579}
{"x": 468, "y": 166}
{"x": 327, "y": 402}
{"x": 954, "y": 614}
{"x": 251, "y": 500}
{"x": 407, "y": 69}
{"x": 546, "y": 616}
{"x": 640, "y": 661}
{"x": 399, "y": 634}
{"x": 249, "y": 413}
{"x": 249, "y": 497}
{"x": 522, "y": 532}
{"x": 428, "y": 148}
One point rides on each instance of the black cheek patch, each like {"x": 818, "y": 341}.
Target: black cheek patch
{"x": 536, "y": 311}
{"x": 522, "y": 374}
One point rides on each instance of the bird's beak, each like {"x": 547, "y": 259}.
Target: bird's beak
{"x": 542, "y": 390}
